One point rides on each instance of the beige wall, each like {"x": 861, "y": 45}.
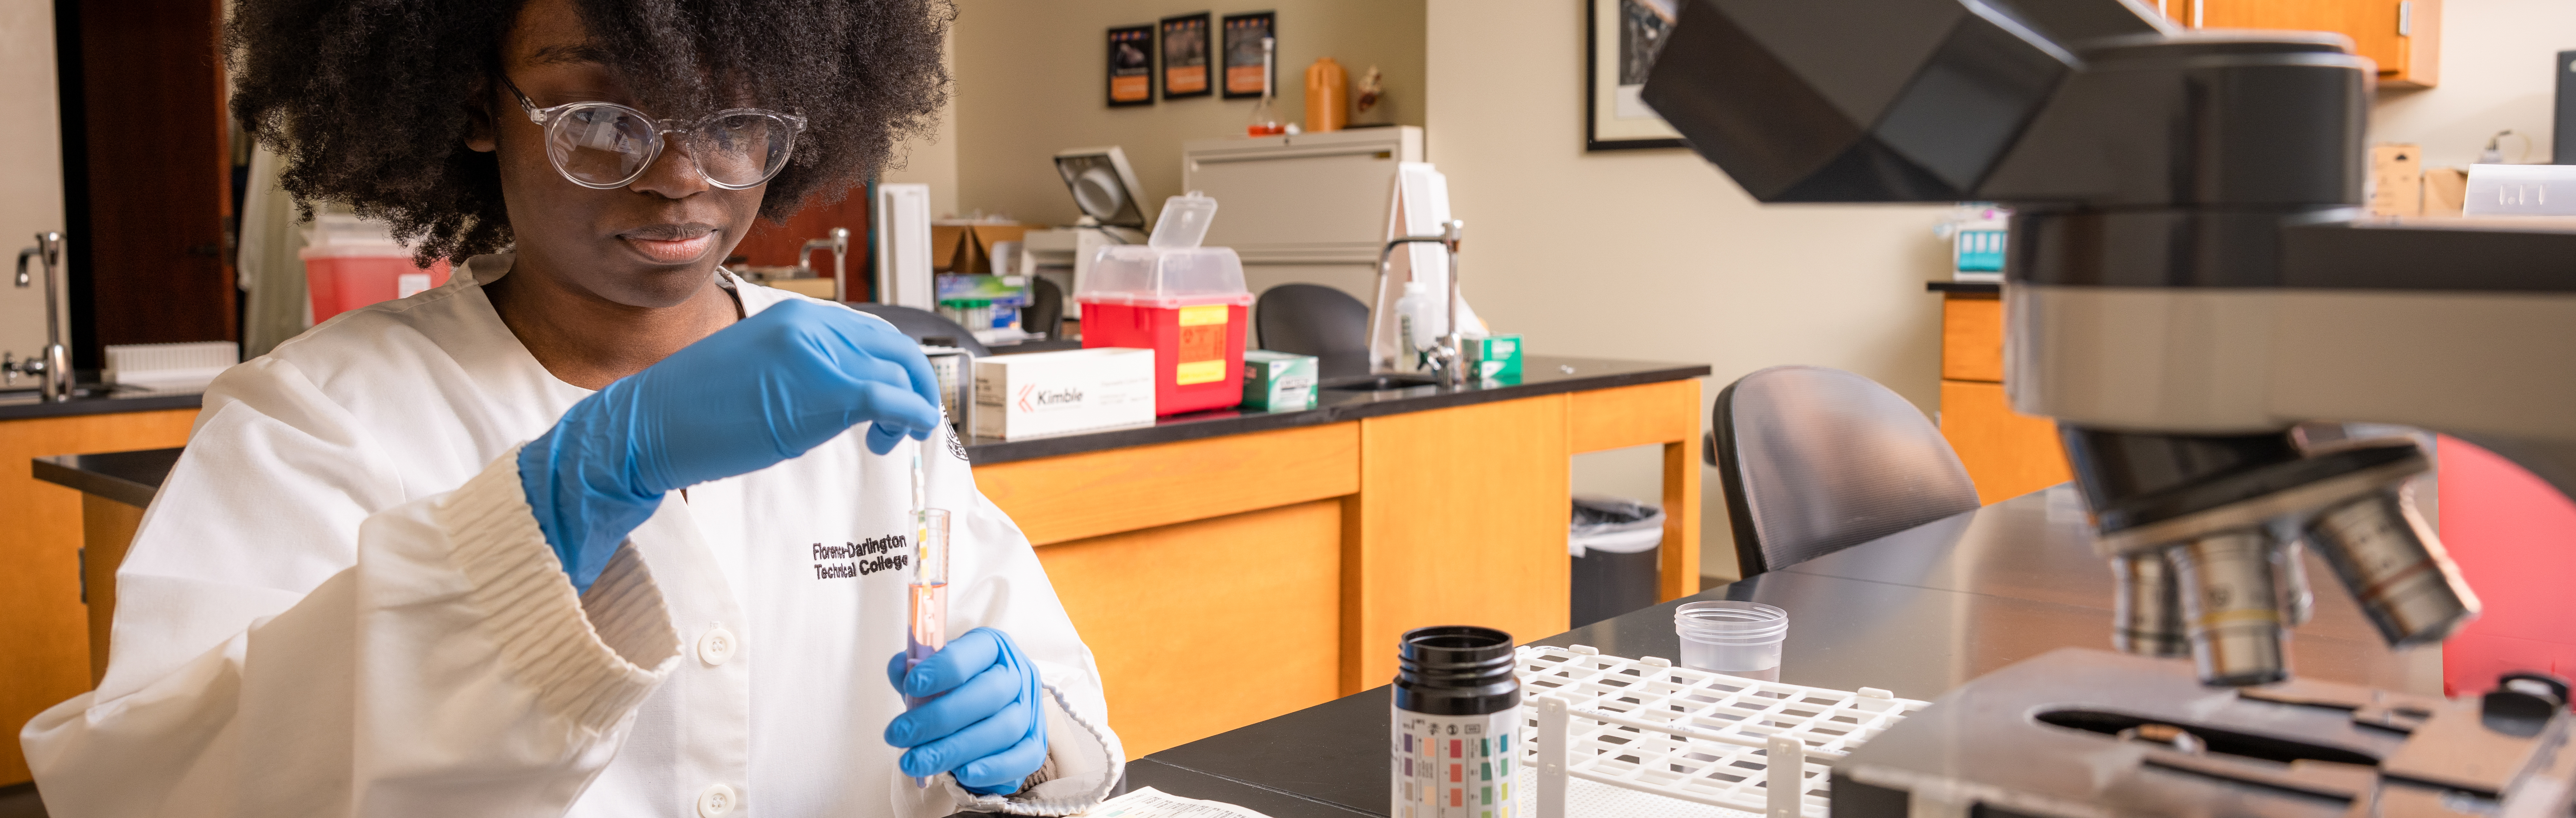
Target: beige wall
{"x": 2498, "y": 72}
{"x": 1030, "y": 82}
{"x": 1655, "y": 254}
{"x": 31, "y": 163}
{"x": 932, "y": 158}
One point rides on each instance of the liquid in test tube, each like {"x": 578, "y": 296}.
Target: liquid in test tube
{"x": 928, "y": 629}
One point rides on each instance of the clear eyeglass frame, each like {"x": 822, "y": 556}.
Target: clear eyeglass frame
{"x": 553, "y": 118}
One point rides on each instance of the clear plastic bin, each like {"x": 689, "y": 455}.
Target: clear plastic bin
{"x": 1186, "y": 303}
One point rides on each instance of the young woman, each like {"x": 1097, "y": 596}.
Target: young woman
{"x": 595, "y": 528}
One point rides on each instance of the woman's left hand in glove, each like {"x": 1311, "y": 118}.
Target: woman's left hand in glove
{"x": 986, "y": 725}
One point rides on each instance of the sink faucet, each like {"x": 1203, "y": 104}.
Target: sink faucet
{"x": 839, "y": 244}
{"x": 54, "y": 367}
{"x": 1449, "y": 358}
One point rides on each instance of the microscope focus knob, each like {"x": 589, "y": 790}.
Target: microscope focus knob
{"x": 2523, "y": 703}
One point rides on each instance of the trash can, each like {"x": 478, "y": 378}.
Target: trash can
{"x": 1613, "y": 544}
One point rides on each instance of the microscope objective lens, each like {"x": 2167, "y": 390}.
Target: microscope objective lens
{"x": 2395, "y": 567}
{"x": 2232, "y": 607}
{"x": 2147, "y": 618}
{"x": 2289, "y": 566}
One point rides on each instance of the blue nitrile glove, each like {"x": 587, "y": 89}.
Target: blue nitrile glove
{"x": 989, "y": 729}
{"x": 761, "y": 391}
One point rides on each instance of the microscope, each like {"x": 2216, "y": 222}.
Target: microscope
{"x": 2195, "y": 295}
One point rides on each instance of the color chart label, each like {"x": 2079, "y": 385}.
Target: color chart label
{"x": 1454, "y": 766}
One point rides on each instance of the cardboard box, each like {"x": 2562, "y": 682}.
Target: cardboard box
{"x": 2445, "y": 190}
{"x": 967, "y": 247}
{"x": 2396, "y": 179}
{"x": 1078, "y": 390}
{"x": 1278, "y": 381}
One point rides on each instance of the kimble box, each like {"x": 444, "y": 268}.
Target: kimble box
{"x": 1077, "y": 390}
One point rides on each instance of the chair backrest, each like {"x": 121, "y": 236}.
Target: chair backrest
{"x": 1816, "y": 460}
{"x": 924, "y": 326}
{"x": 1312, "y": 319}
{"x": 1045, "y": 315}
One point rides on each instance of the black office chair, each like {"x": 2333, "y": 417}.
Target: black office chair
{"x": 1817, "y": 460}
{"x": 1045, "y": 313}
{"x": 925, "y": 326}
{"x": 1312, "y": 319}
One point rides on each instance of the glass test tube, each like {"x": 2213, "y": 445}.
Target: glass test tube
{"x": 927, "y": 630}
{"x": 926, "y": 625}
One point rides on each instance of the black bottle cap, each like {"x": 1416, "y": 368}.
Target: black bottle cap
{"x": 1456, "y": 670}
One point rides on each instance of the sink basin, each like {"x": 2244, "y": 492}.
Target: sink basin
{"x": 1378, "y": 383}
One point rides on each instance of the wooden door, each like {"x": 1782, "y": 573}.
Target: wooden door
{"x": 152, "y": 250}
{"x": 772, "y": 244}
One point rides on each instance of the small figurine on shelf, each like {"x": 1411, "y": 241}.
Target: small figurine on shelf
{"x": 1372, "y": 89}
{"x": 1265, "y": 114}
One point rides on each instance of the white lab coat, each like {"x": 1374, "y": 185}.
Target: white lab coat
{"x": 340, "y": 604}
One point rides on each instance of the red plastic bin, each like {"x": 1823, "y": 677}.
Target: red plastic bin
{"x": 1198, "y": 348}
{"x": 1186, "y": 303}
{"x": 344, "y": 278}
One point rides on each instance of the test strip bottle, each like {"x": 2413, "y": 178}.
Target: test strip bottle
{"x": 1457, "y": 718}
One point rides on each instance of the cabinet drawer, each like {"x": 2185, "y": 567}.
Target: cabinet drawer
{"x": 1070, "y": 497}
{"x": 1972, "y": 338}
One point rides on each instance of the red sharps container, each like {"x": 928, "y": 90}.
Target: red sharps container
{"x": 1185, "y": 302}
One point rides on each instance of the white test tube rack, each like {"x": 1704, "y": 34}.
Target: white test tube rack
{"x": 1700, "y": 737}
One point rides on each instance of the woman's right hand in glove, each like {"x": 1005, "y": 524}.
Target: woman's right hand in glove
{"x": 768, "y": 388}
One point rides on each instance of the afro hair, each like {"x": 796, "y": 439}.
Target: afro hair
{"x": 366, "y": 100}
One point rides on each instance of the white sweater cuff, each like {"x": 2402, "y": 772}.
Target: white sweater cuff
{"x": 590, "y": 658}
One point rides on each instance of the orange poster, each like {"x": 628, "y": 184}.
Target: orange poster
{"x": 1185, "y": 56}
{"x": 1131, "y": 65}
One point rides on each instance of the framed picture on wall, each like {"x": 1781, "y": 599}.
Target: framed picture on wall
{"x": 1620, "y": 41}
{"x": 1243, "y": 69}
{"x": 1131, "y": 66}
{"x": 1185, "y": 56}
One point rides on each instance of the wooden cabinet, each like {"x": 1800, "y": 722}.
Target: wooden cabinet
{"x": 2403, "y": 36}
{"x": 1325, "y": 543}
{"x": 2006, "y": 453}
{"x": 47, "y": 641}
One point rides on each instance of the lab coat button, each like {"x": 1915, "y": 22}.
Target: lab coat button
{"x": 715, "y": 647}
{"x": 715, "y": 801}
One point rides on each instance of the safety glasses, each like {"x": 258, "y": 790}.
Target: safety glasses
{"x": 607, "y": 146}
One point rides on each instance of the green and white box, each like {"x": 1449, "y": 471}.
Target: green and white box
{"x": 1495, "y": 357}
{"x": 1278, "y": 381}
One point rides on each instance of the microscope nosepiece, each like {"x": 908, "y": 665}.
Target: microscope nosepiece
{"x": 2395, "y": 567}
